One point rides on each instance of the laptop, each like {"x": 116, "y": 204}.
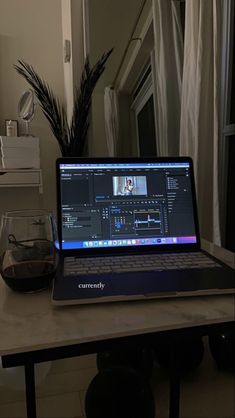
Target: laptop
{"x": 128, "y": 230}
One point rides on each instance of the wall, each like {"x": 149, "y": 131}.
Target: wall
{"x": 31, "y": 30}
{"x": 72, "y": 30}
{"x": 68, "y": 66}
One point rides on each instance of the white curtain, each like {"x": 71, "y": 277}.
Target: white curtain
{"x": 111, "y": 119}
{"x": 168, "y": 42}
{"x": 199, "y": 131}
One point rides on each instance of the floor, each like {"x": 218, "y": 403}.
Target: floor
{"x": 206, "y": 393}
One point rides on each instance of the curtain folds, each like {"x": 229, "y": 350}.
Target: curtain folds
{"x": 111, "y": 119}
{"x": 168, "y": 41}
{"x": 199, "y": 127}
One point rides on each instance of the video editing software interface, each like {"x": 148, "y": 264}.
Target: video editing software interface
{"x": 137, "y": 204}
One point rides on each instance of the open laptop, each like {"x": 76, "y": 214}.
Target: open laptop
{"x": 128, "y": 229}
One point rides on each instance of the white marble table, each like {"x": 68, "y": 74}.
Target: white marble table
{"x": 30, "y": 322}
{"x": 32, "y": 330}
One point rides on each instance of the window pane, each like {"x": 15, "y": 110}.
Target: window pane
{"x": 232, "y": 105}
{"x": 230, "y": 221}
{"x": 146, "y": 130}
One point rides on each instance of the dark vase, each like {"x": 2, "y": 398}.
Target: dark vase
{"x": 119, "y": 393}
{"x": 222, "y": 348}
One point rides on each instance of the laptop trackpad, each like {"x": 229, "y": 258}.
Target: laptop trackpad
{"x": 172, "y": 282}
{"x": 141, "y": 283}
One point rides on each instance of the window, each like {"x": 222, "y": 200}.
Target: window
{"x": 144, "y": 115}
{"x": 227, "y": 146}
{"x": 230, "y": 209}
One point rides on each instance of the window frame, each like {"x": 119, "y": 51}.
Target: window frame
{"x": 227, "y": 129}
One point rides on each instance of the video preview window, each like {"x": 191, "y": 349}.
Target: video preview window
{"x": 130, "y": 186}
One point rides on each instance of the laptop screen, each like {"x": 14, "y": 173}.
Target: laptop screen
{"x": 119, "y": 203}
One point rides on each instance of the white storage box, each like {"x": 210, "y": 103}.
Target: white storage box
{"x": 23, "y": 178}
{"x": 19, "y": 141}
{"x": 20, "y": 152}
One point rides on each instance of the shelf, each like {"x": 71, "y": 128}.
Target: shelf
{"x": 21, "y": 178}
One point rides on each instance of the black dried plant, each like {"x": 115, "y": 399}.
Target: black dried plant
{"x": 71, "y": 137}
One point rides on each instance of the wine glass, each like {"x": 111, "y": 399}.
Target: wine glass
{"x": 27, "y": 252}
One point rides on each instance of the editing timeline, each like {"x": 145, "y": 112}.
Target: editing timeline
{"x": 136, "y": 221}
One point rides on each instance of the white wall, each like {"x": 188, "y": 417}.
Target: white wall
{"x": 68, "y": 66}
{"x": 72, "y": 31}
{"x": 31, "y": 30}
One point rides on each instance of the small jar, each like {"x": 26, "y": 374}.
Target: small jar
{"x": 11, "y": 128}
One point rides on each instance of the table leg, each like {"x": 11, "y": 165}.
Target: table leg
{"x": 174, "y": 401}
{"x": 30, "y": 390}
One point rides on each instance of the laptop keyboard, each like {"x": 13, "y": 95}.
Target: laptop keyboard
{"x": 132, "y": 263}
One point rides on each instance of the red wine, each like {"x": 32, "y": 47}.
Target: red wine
{"x": 29, "y": 276}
